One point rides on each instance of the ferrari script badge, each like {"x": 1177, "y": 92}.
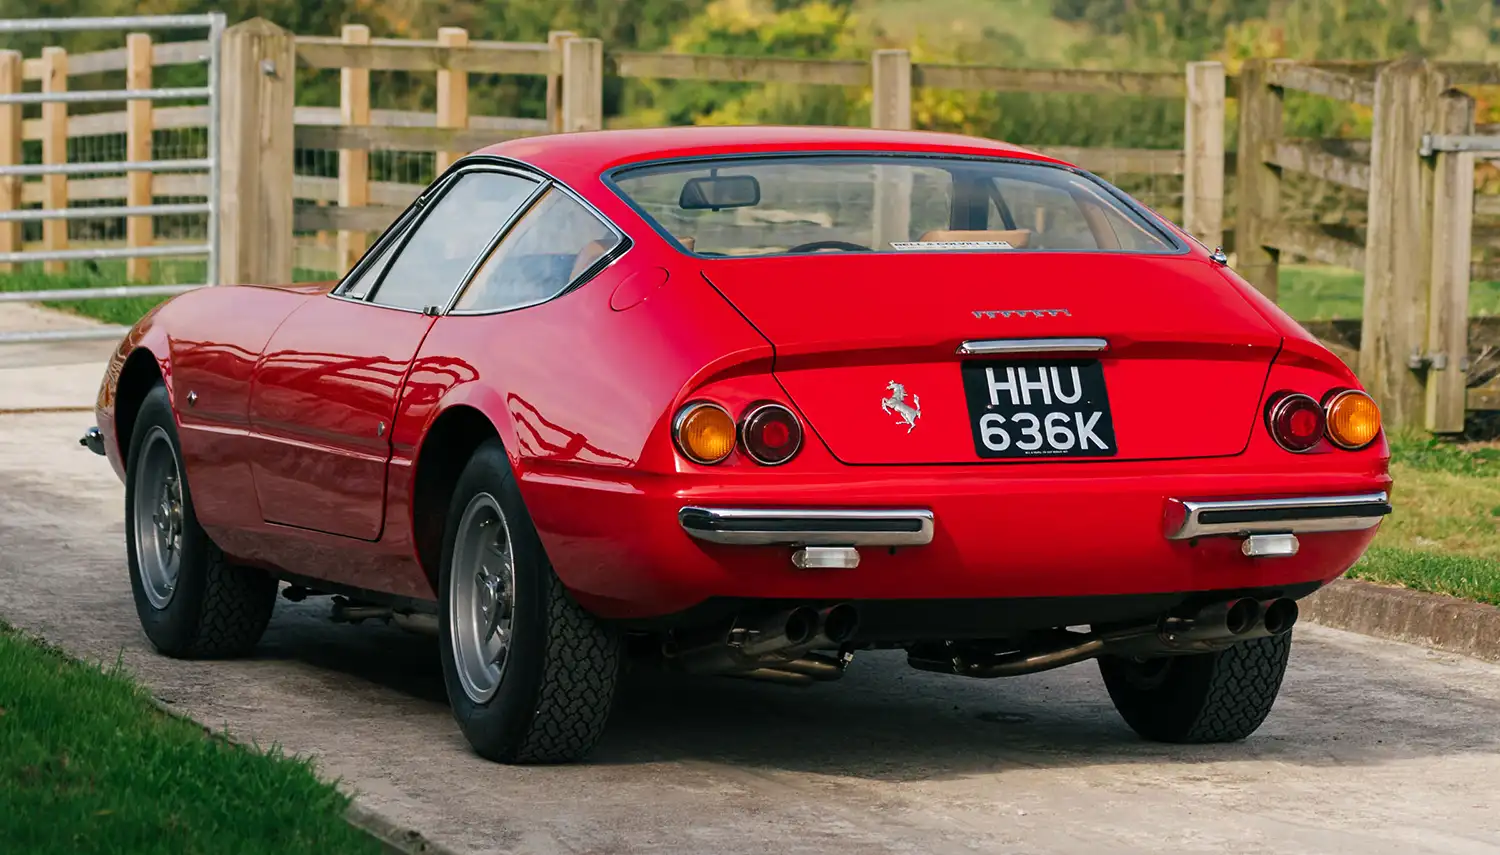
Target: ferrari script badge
{"x": 896, "y": 403}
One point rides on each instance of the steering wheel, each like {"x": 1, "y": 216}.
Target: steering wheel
{"x": 814, "y": 246}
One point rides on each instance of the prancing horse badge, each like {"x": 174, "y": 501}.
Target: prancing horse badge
{"x": 896, "y": 403}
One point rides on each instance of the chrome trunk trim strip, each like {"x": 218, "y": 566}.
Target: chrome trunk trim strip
{"x": 983, "y": 347}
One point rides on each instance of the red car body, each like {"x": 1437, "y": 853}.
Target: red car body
{"x": 310, "y": 425}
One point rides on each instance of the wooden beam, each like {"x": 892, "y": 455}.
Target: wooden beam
{"x": 1484, "y": 397}
{"x": 890, "y": 80}
{"x": 1259, "y": 183}
{"x": 118, "y": 187}
{"x": 1203, "y": 153}
{"x": 370, "y": 218}
{"x": 1289, "y": 74}
{"x": 452, "y": 95}
{"x": 689, "y": 66}
{"x": 582, "y": 85}
{"x": 55, "y": 151}
{"x": 118, "y": 59}
{"x": 1317, "y": 245}
{"x": 369, "y": 138}
{"x": 1452, "y": 192}
{"x": 10, "y": 152}
{"x": 138, "y": 230}
{"x": 333, "y": 117}
{"x": 354, "y": 164}
{"x": 255, "y": 132}
{"x": 993, "y": 79}
{"x": 1398, "y": 266}
{"x": 1309, "y": 157}
{"x": 555, "y": 41}
{"x": 401, "y": 55}
{"x": 1119, "y": 161}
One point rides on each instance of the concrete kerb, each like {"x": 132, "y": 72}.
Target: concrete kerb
{"x": 1430, "y": 620}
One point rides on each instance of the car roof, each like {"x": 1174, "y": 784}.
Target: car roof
{"x": 595, "y": 152}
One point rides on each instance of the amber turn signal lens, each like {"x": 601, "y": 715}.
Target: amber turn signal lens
{"x": 1353, "y": 419}
{"x": 704, "y": 432}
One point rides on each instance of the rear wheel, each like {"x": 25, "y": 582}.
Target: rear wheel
{"x": 1208, "y": 697}
{"x": 191, "y": 602}
{"x": 530, "y": 675}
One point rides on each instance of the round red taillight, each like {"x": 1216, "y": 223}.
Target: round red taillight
{"x": 770, "y": 434}
{"x": 1295, "y": 421}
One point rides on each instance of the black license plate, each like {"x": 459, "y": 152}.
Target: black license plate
{"x": 1025, "y": 408}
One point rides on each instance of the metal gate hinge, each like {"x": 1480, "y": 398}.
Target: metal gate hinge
{"x": 1434, "y": 361}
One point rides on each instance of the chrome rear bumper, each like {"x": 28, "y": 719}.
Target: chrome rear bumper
{"x": 1302, "y": 515}
{"x": 808, "y": 526}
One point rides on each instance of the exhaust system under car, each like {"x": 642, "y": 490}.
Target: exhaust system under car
{"x": 784, "y": 647}
{"x": 1213, "y": 627}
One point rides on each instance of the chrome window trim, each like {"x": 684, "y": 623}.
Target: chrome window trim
{"x": 623, "y": 244}
{"x": 412, "y": 218}
{"x": 1364, "y": 511}
{"x": 989, "y": 346}
{"x": 828, "y": 535}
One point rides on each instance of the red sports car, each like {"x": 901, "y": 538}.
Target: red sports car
{"x": 748, "y": 401}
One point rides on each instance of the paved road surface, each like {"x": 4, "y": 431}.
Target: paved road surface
{"x": 1374, "y": 747}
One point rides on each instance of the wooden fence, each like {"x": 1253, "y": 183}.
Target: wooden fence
{"x": 1414, "y": 344}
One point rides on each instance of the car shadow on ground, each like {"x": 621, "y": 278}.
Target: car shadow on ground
{"x": 887, "y": 722}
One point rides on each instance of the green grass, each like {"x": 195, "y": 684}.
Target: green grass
{"x": 126, "y": 310}
{"x": 1310, "y": 293}
{"x": 89, "y": 765}
{"x": 1444, "y": 533}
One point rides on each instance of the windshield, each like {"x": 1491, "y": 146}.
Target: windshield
{"x": 787, "y": 204}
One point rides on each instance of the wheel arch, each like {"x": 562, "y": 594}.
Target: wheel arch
{"x": 444, "y": 452}
{"x": 140, "y": 374}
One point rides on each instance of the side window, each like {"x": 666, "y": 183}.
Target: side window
{"x": 552, "y": 245}
{"x": 447, "y": 242}
{"x": 359, "y": 288}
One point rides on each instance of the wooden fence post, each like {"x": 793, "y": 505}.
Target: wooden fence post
{"x": 255, "y": 129}
{"x": 138, "y": 129}
{"x": 452, "y": 94}
{"x": 10, "y": 152}
{"x": 1398, "y": 261}
{"x": 1258, "y": 184}
{"x": 582, "y": 85}
{"x": 555, "y": 41}
{"x": 1448, "y": 294}
{"x": 55, "y": 151}
{"x": 1203, "y": 149}
{"x": 890, "y": 80}
{"x": 354, "y": 166}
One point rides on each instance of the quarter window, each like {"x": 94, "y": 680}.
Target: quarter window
{"x": 451, "y": 238}
{"x": 554, "y": 243}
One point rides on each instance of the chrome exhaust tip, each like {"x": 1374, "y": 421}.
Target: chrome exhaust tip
{"x": 840, "y": 623}
{"x": 1280, "y": 615}
{"x": 93, "y": 440}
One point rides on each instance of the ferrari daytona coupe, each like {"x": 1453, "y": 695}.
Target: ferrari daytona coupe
{"x": 747, "y": 401}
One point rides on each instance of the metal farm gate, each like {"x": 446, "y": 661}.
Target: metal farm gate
{"x": 55, "y": 166}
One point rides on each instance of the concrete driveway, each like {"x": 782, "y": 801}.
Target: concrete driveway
{"x": 1375, "y": 747}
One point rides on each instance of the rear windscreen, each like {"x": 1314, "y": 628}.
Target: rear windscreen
{"x": 909, "y": 204}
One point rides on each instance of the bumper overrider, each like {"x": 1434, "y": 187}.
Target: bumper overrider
{"x": 1268, "y": 526}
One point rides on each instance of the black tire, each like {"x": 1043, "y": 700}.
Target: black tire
{"x": 562, "y": 667}
{"x": 1208, "y": 697}
{"x": 216, "y": 609}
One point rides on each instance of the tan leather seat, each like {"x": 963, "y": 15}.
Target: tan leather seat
{"x": 1018, "y": 238}
{"x": 590, "y": 254}
{"x": 687, "y": 242}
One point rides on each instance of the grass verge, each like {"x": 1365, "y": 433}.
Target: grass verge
{"x": 88, "y": 764}
{"x": 1444, "y": 535}
{"x": 1312, "y": 293}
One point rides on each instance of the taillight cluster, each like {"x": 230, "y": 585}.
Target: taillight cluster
{"x": 1347, "y": 417}
{"x": 768, "y": 432}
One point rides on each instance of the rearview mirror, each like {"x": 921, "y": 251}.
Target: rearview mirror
{"x": 720, "y": 191}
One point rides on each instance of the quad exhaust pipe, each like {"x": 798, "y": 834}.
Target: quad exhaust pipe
{"x": 1213, "y": 627}
{"x": 777, "y": 647}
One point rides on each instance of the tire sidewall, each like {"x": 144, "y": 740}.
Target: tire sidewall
{"x": 171, "y": 629}
{"x": 497, "y": 727}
